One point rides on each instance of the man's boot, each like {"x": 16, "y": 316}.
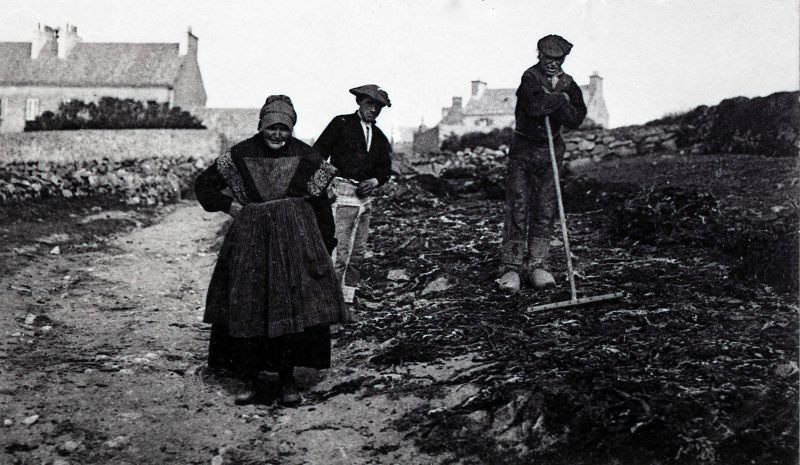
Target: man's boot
{"x": 509, "y": 282}
{"x": 538, "y": 251}
{"x": 540, "y": 278}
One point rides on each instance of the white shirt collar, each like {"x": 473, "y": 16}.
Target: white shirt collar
{"x": 367, "y": 134}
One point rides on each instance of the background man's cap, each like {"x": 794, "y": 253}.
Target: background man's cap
{"x": 374, "y": 92}
{"x": 554, "y": 46}
{"x": 277, "y": 109}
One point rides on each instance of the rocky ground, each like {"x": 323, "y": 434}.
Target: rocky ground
{"x": 102, "y": 350}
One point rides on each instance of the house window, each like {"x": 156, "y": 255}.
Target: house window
{"x": 31, "y": 109}
{"x": 483, "y": 122}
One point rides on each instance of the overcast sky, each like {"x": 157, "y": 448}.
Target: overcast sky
{"x": 656, "y": 56}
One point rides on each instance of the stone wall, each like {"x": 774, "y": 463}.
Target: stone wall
{"x": 761, "y": 125}
{"x": 592, "y": 145}
{"x": 586, "y": 145}
{"x": 148, "y": 181}
{"x": 136, "y": 166}
{"x": 115, "y": 145}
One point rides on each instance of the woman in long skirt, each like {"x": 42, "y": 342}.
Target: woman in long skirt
{"x": 273, "y": 294}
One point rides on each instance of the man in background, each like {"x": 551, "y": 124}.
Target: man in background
{"x": 362, "y": 155}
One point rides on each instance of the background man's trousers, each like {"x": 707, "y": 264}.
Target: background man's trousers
{"x": 530, "y": 203}
{"x": 352, "y": 215}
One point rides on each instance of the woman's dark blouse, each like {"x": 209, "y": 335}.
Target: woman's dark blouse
{"x": 215, "y": 194}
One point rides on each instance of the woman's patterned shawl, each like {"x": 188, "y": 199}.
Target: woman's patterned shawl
{"x": 255, "y": 173}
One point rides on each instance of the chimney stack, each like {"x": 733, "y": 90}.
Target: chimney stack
{"x": 478, "y": 87}
{"x": 68, "y": 41}
{"x": 596, "y": 84}
{"x": 191, "y": 43}
{"x": 45, "y": 42}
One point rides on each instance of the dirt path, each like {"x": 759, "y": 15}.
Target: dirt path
{"x": 102, "y": 358}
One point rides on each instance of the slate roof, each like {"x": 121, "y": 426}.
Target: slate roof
{"x": 492, "y": 102}
{"x": 92, "y": 64}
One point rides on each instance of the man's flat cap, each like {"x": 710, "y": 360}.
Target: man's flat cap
{"x": 374, "y": 92}
{"x": 554, "y": 46}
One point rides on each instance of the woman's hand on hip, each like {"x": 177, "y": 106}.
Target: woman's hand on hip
{"x": 235, "y": 209}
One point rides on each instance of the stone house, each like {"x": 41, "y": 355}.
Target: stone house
{"x": 489, "y": 109}
{"x": 57, "y": 66}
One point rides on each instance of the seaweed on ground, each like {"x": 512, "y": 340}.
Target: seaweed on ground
{"x": 691, "y": 367}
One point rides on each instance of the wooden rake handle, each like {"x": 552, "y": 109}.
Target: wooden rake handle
{"x": 561, "y": 215}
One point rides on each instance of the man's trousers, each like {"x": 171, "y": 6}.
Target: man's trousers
{"x": 351, "y": 214}
{"x": 530, "y": 203}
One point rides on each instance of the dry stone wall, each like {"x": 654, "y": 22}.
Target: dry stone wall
{"x": 592, "y": 145}
{"x": 481, "y": 170}
{"x": 135, "y": 166}
{"x": 145, "y": 181}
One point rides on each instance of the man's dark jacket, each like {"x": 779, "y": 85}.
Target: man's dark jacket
{"x": 533, "y": 103}
{"x": 343, "y": 141}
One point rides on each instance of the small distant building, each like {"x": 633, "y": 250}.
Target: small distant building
{"x": 489, "y": 109}
{"x": 426, "y": 140}
{"x": 57, "y": 66}
{"x": 401, "y": 138}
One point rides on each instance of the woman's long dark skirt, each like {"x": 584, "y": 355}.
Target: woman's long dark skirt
{"x": 244, "y": 357}
{"x": 273, "y": 294}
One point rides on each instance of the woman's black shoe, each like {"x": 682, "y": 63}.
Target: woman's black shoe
{"x": 289, "y": 395}
{"x": 245, "y": 397}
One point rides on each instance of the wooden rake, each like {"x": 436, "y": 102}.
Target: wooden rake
{"x": 574, "y": 300}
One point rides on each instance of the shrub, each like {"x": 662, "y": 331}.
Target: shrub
{"x": 492, "y": 140}
{"x": 114, "y": 113}
{"x": 675, "y": 117}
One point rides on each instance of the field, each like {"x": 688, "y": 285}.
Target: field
{"x": 102, "y": 355}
